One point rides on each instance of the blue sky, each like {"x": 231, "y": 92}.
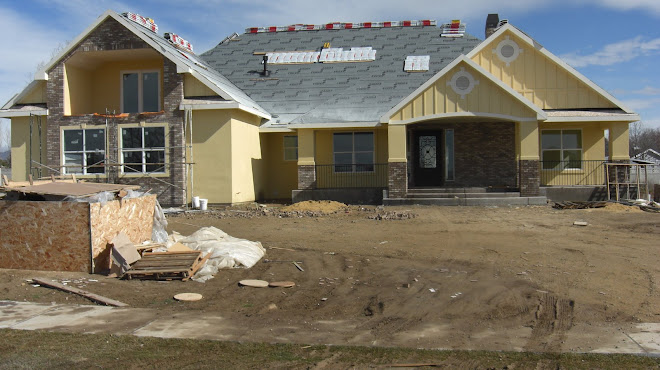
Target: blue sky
{"x": 615, "y": 43}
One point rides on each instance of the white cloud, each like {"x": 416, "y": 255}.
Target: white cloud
{"x": 641, "y": 104}
{"x": 617, "y": 52}
{"x": 649, "y": 5}
{"x": 647, "y": 90}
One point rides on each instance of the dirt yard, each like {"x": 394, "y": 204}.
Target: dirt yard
{"x": 395, "y": 276}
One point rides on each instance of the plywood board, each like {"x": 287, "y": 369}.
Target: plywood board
{"x": 72, "y": 189}
{"x": 134, "y": 217}
{"x": 52, "y": 236}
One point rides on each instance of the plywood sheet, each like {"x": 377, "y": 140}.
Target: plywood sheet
{"x": 52, "y": 236}
{"x": 72, "y": 189}
{"x": 134, "y": 217}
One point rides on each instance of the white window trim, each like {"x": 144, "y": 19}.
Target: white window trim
{"x": 286, "y": 147}
{"x": 561, "y": 136}
{"x": 84, "y": 164}
{"x": 373, "y": 152}
{"x": 140, "y": 94}
{"x": 143, "y": 149}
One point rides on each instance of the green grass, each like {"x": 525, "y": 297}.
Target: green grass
{"x": 38, "y": 349}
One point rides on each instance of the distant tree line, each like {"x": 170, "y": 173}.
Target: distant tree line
{"x": 642, "y": 138}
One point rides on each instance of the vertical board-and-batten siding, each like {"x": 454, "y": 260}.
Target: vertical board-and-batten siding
{"x": 486, "y": 97}
{"x": 538, "y": 78}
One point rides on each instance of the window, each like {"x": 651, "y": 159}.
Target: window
{"x": 561, "y": 149}
{"x": 84, "y": 151}
{"x": 140, "y": 91}
{"x": 143, "y": 149}
{"x": 353, "y": 151}
{"x": 291, "y": 148}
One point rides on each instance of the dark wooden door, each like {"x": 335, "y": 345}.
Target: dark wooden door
{"x": 428, "y": 166}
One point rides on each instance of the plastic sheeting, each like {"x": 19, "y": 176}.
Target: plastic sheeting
{"x": 225, "y": 250}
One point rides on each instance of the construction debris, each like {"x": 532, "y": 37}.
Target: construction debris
{"x": 580, "y": 223}
{"x": 167, "y": 266}
{"x": 254, "y": 283}
{"x": 281, "y": 284}
{"x": 123, "y": 254}
{"x": 392, "y": 215}
{"x": 578, "y": 205}
{"x": 91, "y": 296}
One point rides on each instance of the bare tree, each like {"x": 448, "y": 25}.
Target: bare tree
{"x": 643, "y": 138}
{"x": 5, "y": 141}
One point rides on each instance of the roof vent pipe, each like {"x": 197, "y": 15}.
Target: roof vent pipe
{"x": 492, "y": 23}
{"x": 265, "y": 72}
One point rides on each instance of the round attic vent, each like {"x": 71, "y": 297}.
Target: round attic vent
{"x": 507, "y": 51}
{"x": 462, "y": 82}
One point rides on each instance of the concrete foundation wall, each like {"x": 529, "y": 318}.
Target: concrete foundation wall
{"x": 575, "y": 193}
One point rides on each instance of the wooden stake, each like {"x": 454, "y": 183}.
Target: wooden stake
{"x": 298, "y": 266}
{"x": 30, "y": 179}
{"x": 4, "y": 178}
{"x": 91, "y": 296}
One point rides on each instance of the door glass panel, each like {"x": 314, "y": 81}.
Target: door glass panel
{"x": 449, "y": 155}
{"x": 130, "y": 92}
{"x": 150, "y": 91}
{"x": 427, "y": 151}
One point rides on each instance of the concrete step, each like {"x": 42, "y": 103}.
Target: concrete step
{"x": 463, "y": 195}
{"x": 501, "y": 201}
{"x": 447, "y": 190}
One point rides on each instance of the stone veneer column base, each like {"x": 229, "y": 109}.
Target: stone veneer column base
{"x": 530, "y": 178}
{"x": 397, "y": 179}
{"x": 306, "y": 177}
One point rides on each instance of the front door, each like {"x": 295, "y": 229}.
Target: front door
{"x": 428, "y": 158}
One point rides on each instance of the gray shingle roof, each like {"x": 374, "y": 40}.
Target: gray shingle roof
{"x": 344, "y": 92}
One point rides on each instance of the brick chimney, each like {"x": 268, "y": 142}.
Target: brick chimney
{"x": 491, "y": 24}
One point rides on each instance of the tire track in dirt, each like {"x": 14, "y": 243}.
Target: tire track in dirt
{"x": 553, "y": 318}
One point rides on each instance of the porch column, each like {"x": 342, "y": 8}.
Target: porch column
{"x": 306, "y": 164}
{"x": 397, "y": 161}
{"x": 529, "y": 175}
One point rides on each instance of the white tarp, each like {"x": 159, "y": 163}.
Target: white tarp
{"x": 225, "y": 250}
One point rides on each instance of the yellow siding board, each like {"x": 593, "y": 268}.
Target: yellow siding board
{"x": 37, "y": 95}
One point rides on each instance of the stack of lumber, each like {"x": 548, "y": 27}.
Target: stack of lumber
{"x": 578, "y": 205}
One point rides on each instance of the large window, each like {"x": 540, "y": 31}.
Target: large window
{"x": 290, "y": 148}
{"x": 140, "y": 91}
{"x": 84, "y": 151}
{"x": 143, "y": 149}
{"x": 561, "y": 149}
{"x": 353, "y": 151}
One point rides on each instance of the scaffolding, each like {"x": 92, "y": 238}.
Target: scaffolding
{"x": 624, "y": 180}
{"x": 114, "y": 171}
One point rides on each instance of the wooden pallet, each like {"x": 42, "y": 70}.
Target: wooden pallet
{"x": 166, "y": 266}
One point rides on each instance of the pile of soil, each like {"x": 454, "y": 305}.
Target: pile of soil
{"x": 622, "y": 208}
{"x": 323, "y": 206}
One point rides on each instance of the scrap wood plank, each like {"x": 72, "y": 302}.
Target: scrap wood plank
{"x": 80, "y": 292}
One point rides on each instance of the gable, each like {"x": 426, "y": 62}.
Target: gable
{"x": 192, "y": 87}
{"x": 536, "y": 74}
{"x": 439, "y": 98}
{"x": 34, "y": 95}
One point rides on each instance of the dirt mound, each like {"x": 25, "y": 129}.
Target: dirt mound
{"x": 622, "y": 208}
{"x": 323, "y": 206}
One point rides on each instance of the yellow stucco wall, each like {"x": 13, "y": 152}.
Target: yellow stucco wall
{"x": 36, "y": 95}
{"x": 247, "y": 163}
{"x": 619, "y": 141}
{"x": 593, "y": 149}
{"x": 440, "y": 98}
{"x": 93, "y": 91}
{"x": 538, "y": 78}
{"x": 396, "y": 143}
{"x": 280, "y": 176}
{"x": 228, "y": 167}
{"x": 20, "y": 146}
{"x": 192, "y": 87}
{"x": 211, "y": 137}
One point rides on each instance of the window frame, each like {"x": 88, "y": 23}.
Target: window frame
{"x": 285, "y": 147}
{"x": 354, "y": 165}
{"x": 562, "y": 149}
{"x": 140, "y": 73}
{"x": 143, "y": 150}
{"x": 83, "y": 152}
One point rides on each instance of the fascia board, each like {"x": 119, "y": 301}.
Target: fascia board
{"x": 613, "y": 118}
{"x": 335, "y": 125}
{"x": 224, "y": 105}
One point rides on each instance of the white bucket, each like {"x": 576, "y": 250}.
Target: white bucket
{"x": 195, "y": 202}
{"x": 203, "y": 203}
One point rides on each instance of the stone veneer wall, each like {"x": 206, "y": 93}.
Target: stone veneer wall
{"x": 111, "y": 35}
{"x": 306, "y": 177}
{"x": 397, "y": 179}
{"x": 530, "y": 179}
